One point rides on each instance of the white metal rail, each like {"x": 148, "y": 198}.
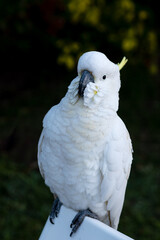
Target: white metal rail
{"x": 90, "y": 229}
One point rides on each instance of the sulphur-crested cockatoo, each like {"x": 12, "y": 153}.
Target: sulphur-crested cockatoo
{"x": 85, "y": 151}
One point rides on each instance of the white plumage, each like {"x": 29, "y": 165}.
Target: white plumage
{"x": 85, "y": 152}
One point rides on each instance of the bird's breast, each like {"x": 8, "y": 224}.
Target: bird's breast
{"x": 73, "y": 148}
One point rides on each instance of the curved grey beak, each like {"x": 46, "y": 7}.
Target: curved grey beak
{"x": 84, "y": 80}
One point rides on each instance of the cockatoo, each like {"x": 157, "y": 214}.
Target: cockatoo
{"x": 85, "y": 151}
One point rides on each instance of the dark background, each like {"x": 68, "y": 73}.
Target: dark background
{"x": 40, "y": 43}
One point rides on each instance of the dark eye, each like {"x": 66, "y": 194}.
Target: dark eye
{"x": 104, "y": 77}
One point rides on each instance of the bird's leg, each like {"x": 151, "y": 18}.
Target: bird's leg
{"x": 55, "y": 210}
{"x": 78, "y": 219}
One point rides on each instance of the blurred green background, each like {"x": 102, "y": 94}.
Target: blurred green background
{"x": 40, "y": 43}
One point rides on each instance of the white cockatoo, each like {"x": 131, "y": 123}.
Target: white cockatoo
{"x": 85, "y": 151}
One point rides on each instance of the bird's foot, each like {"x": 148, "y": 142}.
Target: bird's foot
{"x": 78, "y": 219}
{"x": 55, "y": 210}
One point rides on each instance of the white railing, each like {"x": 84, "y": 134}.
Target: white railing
{"x": 90, "y": 229}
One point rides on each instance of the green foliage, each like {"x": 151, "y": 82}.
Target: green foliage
{"x": 103, "y": 25}
{"x": 25, "y": 203}
{"x": 141, "y": 207}
{"x": 66, "y": 29}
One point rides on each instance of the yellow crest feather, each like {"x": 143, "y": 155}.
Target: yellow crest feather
{"x": 122, "y": 63}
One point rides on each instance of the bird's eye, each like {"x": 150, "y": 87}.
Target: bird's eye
{"x": 104, "y": 77}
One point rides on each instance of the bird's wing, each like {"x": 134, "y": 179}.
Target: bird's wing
{"x": 115, "y": 171}
{"x": 44, "y": 145}
{"x": 39, "y": 153}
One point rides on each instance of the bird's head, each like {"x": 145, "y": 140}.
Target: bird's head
{"x": 98, "y": 81}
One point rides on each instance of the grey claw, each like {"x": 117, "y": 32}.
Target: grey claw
{"x": 55, "y": 210}
{"x": 51, "y": 220}
{"x": 78, "y": 219}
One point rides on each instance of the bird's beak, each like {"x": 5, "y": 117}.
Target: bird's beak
{"x": 86, "y": 77}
